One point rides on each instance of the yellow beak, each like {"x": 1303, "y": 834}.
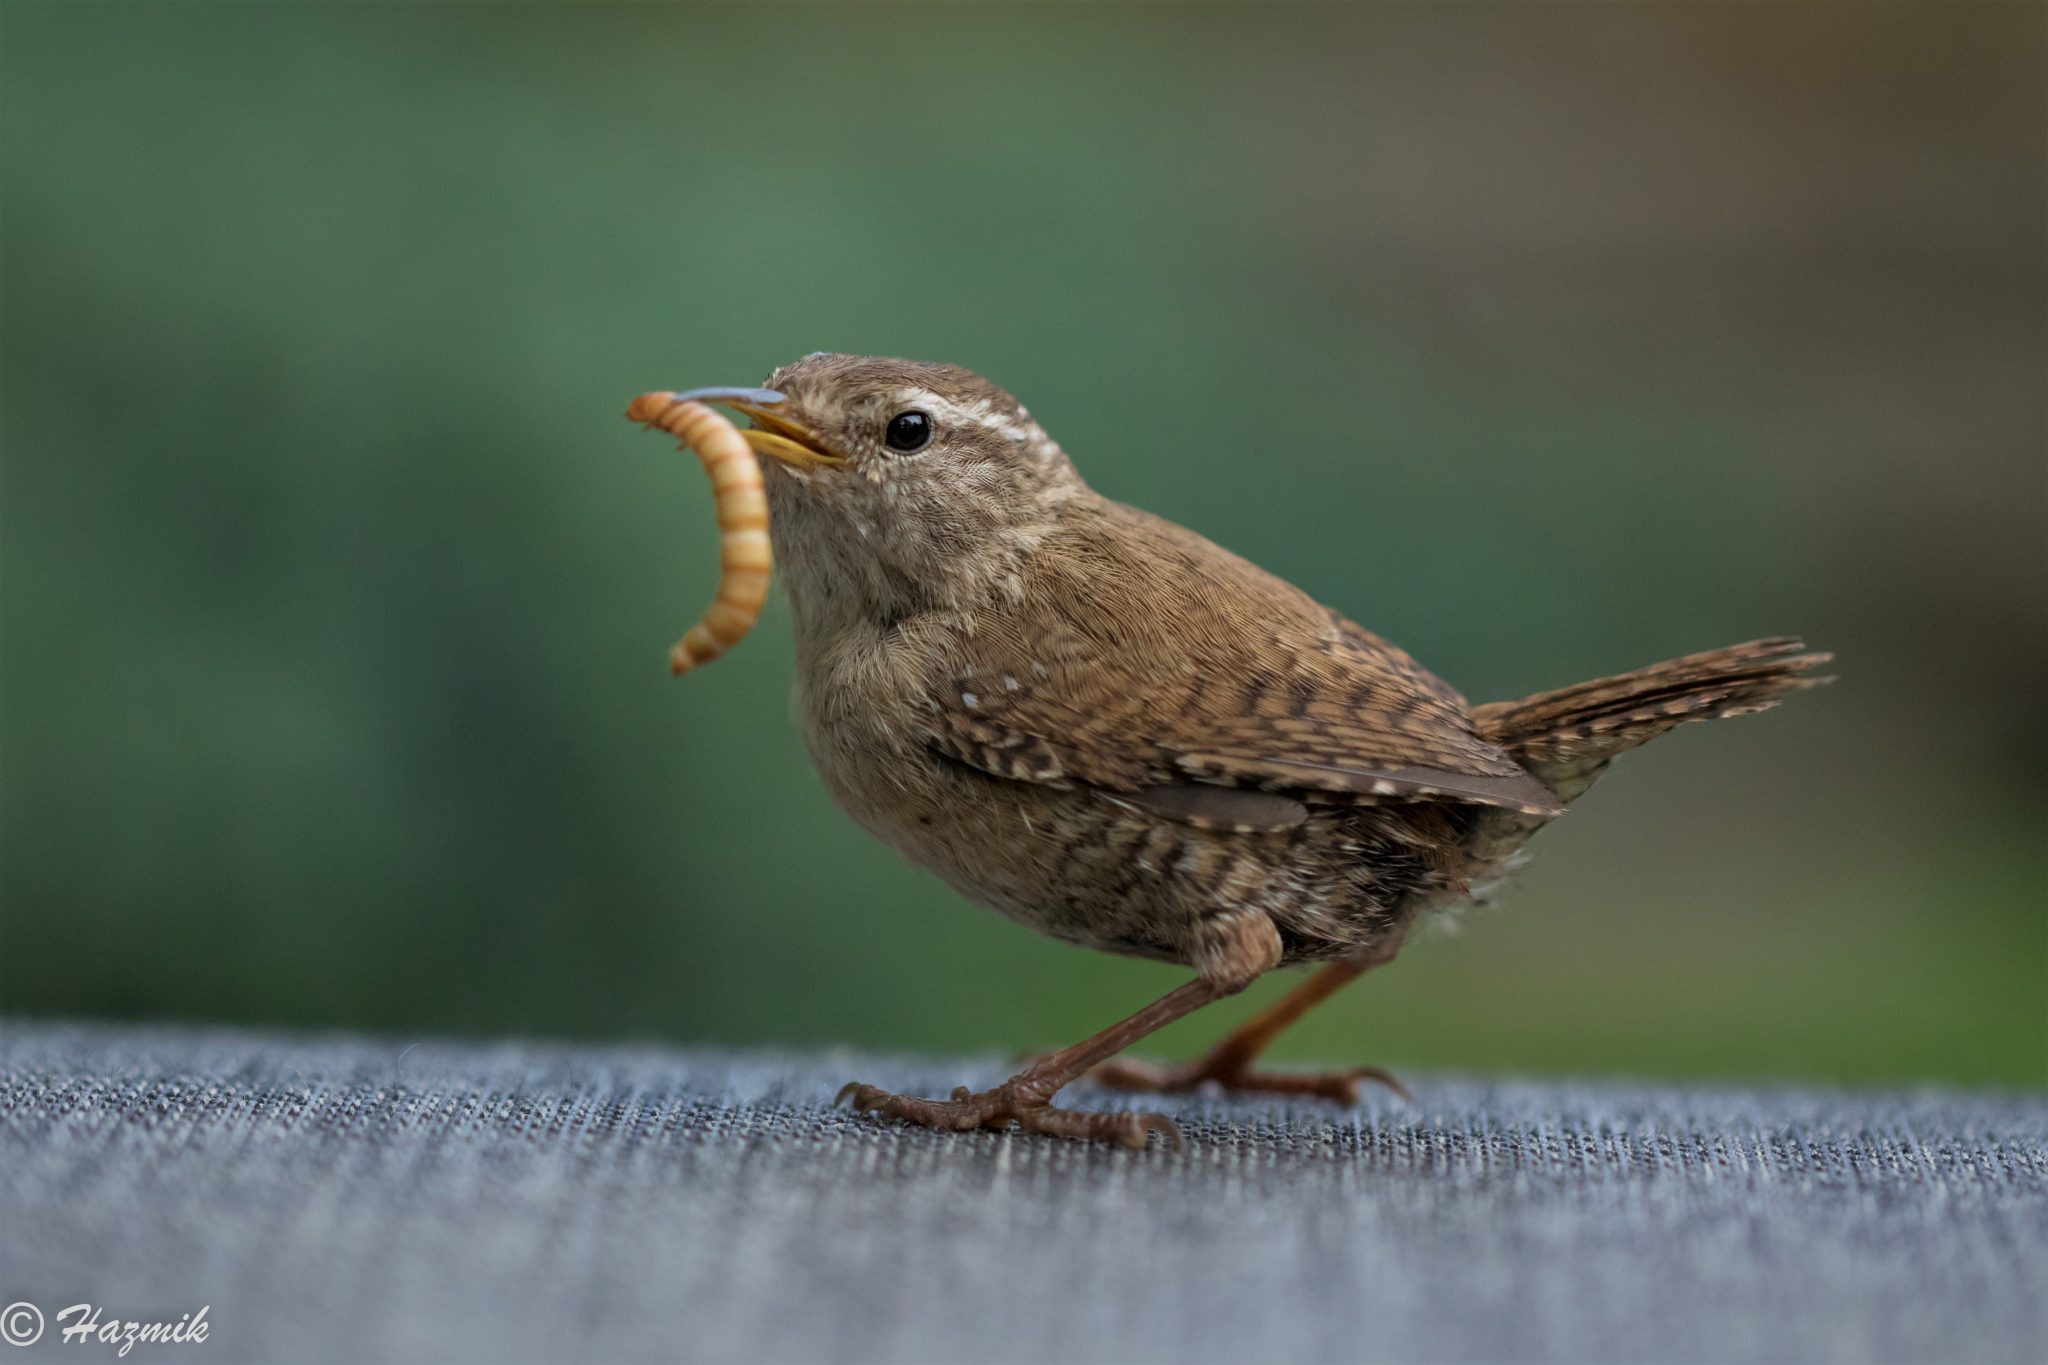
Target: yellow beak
{"x": 772, "y": 435}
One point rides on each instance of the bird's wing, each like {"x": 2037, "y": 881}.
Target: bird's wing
{"x": 1139, "y": 659}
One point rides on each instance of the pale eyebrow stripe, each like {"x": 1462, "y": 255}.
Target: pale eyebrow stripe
{"x": 982, "y": 414}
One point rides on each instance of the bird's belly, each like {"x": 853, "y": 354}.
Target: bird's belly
{"x": 1034, "y": 854}
{"x": 1081, "y": 867}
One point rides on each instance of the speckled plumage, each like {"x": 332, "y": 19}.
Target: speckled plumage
{"x": 1115, "y": 732}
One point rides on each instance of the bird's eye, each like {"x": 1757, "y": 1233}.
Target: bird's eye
{"x": 907, "y": 432}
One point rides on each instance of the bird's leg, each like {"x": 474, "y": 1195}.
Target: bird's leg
{"x": 1241, "y": 949}
{"x": 1229, "y": 1062}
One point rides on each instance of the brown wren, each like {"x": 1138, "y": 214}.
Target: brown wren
{"x": 1128, "y": 738}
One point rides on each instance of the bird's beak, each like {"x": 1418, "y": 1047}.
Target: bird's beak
{"x": 773, "y": 435}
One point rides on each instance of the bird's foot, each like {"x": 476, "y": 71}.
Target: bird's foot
{"x": 1235, "y": 1073}
{"x": 1010, "y": 1103}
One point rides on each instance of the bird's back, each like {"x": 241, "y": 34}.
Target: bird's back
{"x": 1144, "y": 653}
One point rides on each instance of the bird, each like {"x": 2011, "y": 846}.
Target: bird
{"x": 1115, "y": 732}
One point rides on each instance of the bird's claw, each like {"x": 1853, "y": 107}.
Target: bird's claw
{"x": 997, "y": 1109}
{"x": 1127, "y": 1073}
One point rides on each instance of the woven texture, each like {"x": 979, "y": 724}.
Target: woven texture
{"x": 342, "y": 1198}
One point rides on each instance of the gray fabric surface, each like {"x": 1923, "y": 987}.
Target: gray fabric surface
{"x": 343, "y": 1198}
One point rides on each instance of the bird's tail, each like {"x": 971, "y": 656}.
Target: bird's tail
{"x": 1566, "y": 737}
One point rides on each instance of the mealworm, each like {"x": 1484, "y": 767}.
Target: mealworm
{"x": 743, "y": 555}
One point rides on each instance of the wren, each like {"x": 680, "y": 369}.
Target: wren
{"x": 1119, "y": 734}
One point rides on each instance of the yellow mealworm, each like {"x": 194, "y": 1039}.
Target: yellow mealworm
{"x": 743, "y": 555}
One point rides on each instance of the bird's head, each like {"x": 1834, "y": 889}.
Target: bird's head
{"x": 897, "y": 486}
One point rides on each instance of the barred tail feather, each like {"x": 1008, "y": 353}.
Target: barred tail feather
{"x": 1566, "y": 737}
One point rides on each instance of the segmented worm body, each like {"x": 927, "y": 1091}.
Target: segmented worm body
{"x": 744, "y": 560}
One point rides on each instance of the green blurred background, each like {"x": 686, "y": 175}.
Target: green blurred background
{"x": 1547, "y": 340}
